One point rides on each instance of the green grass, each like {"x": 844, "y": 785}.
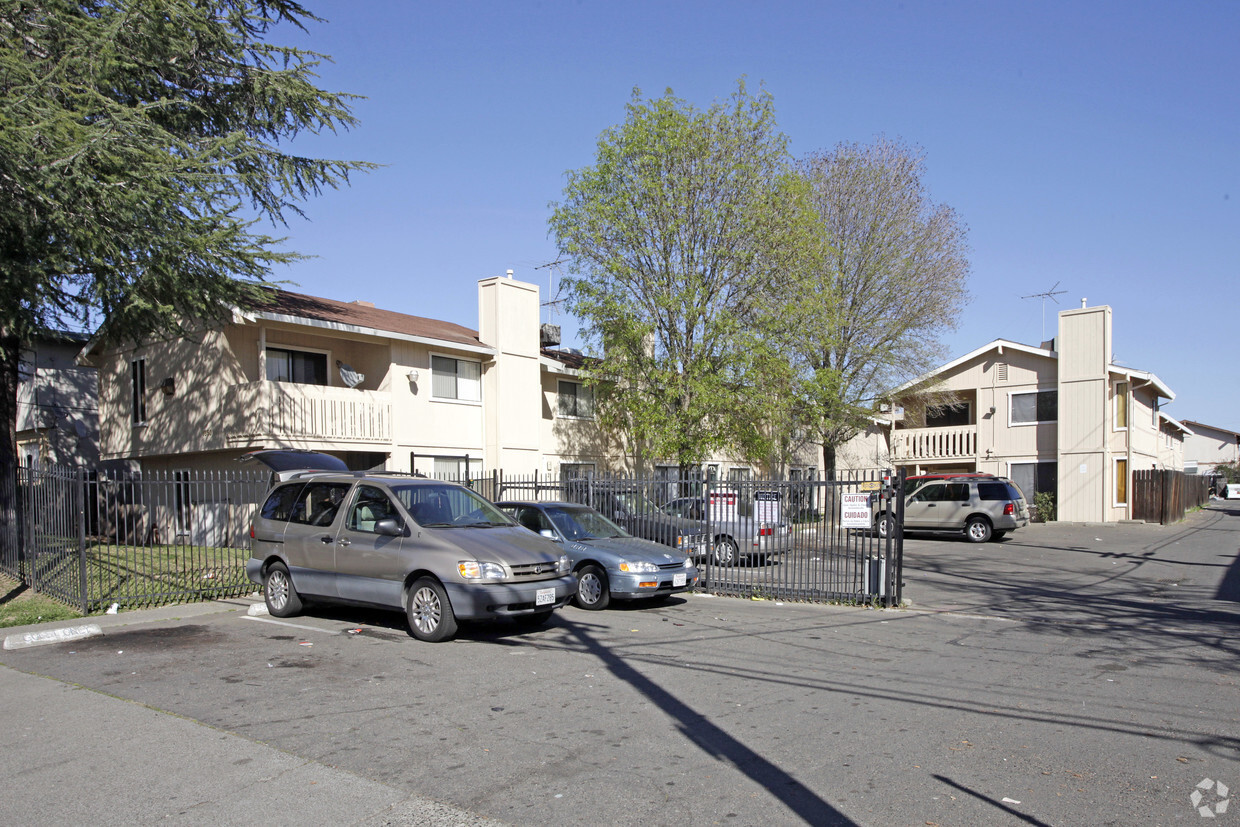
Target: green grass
{"x": 21, "y": 607}
{"x": 135, "y": 576}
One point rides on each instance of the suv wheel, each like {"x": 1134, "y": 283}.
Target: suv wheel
{"x": 884, "y": 526}
{"x": 978, "y": 530}
{"x": 726, "y": 552}
{"x": 429, "y": 612}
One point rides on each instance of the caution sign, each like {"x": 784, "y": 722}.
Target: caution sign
{"x": 855, "y": 511}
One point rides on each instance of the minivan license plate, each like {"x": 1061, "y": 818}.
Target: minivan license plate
{"x": 544, "y": 597}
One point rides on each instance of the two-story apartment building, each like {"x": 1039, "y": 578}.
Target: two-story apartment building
{"x": 1061, "y": 418}
{"x": 1207, "y": 446}
{"x": 57, "y": 407}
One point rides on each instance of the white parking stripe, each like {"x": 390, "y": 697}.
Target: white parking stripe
{"x": 290, "y": 625}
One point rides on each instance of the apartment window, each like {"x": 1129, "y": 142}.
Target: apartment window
{"x": 947, "y": 416}
{"x": 1121, "y": 405}
{"x": 575, "y": 400}
{"x": 302, "y": 367}
{"x": 576, "y": 470}
{"x": 1032, "y": 407}
{"x": 1034, "y": 477}
{"x": 137, "y": 387}
{"x": 1121, "y": 482}
{"x": 459, "y": 379}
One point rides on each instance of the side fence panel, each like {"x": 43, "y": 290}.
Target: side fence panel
{"x": 750, "y": 538}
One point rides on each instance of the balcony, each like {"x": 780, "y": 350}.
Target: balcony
{"x": 916, "y": 444}
{"x": 283, "y": 411}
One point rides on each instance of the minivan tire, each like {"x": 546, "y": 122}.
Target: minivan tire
{"x": 429, "y": 613}
{"x": 279, "y": 593}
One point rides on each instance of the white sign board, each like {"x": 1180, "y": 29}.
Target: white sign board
{"x": 855, "y": 511}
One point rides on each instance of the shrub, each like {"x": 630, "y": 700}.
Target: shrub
{"x": 1044, "y": 506}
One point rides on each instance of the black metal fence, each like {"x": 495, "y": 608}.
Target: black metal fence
{"x": 93, "y": 538}
{"x": 752, "y": 538}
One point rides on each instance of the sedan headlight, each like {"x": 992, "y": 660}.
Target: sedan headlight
{"x": 475, "y": 570}
{"x": 688, "y": 562}
{"x": 637, "y": 566}
{"x": 689, "y": 541}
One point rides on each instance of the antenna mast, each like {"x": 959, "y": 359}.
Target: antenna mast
{"x": 1048, "y": 294}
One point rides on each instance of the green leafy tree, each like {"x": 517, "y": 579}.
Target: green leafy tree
{"x": 672, "y": 239}
{"x": 140, "y": 148}
{"x": 888, "y": 277}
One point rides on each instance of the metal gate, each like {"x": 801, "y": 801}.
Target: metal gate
{"x": 762, "y": 539}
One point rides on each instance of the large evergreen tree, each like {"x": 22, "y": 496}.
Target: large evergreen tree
{"x": 140, "y": 150}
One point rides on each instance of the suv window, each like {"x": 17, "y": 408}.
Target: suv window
{"x": 318, "y": 503}
{"x": 956, "y": 492}
{"x": 929, "y": 494}
{"x": 997, "y": 491}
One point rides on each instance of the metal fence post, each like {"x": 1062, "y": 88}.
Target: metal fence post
{"x": 81, "y": 526}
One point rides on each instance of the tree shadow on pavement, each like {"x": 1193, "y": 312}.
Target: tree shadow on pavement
{"x": 713, "y": 740}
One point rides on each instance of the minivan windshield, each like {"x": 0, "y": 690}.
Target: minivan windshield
{"x": 448, "y": 506}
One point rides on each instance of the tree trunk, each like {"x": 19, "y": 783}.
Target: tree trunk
{"x": 828, "y": 461}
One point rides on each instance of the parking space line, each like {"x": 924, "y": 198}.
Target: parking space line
{"x": 290, "y": 625}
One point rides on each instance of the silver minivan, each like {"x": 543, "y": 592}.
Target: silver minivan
{"x": 435, "y": 550}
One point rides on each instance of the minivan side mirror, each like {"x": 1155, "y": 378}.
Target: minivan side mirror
{"x": 389, "y": 527}
{"x": 549, "y": 534}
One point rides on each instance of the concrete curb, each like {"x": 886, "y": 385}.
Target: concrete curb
{"x": 49, "y": 636}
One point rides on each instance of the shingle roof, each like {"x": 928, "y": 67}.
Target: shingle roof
{"x": 301, "y": 306}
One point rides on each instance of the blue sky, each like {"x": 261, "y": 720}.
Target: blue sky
{"x": 1095, "y": 146}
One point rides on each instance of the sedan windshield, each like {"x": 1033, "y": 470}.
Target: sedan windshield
{"x": 582, "y": 523}
{"x": 448, "y": 506}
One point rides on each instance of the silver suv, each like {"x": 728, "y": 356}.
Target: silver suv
{"x": 981, "y": 507}
{"x": 435, "y": 550}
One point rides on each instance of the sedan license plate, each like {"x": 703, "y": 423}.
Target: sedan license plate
{"x": 679, "y": 580}
{"x": 544, "y": 597}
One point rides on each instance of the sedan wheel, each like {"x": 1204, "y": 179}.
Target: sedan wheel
{"x": 429, "y": 612}
{"x": 593, "y": 593}
{"x": 885, "y": 526}
{"x": 282, "y": 599}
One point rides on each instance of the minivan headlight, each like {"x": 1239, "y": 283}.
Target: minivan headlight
{"x": 565, "y": 565}
{"x": 475, "y": 570}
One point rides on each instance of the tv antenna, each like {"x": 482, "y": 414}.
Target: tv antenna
{"x": 1048, "y": 294}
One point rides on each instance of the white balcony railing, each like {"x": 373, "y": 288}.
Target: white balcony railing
{"x": 958, "y": 442}
{"x": 287, "y": 411}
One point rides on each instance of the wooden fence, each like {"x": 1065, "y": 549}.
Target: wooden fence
{"x": 1164, "y": 496}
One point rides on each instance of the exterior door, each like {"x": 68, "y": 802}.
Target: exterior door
{"x": 370, "y": 567}
{"x": 310, "y": 537}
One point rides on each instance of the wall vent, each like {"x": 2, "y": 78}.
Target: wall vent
{"x": 1001, "y": 369}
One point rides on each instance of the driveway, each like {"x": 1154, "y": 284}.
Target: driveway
{"x": 1068, "y": 675}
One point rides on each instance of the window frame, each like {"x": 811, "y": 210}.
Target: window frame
{"x": 137, "y": 392}
{"x": 296, "y": 349}
{"x": 456, "y": 400}
{"x": 1115, "y": 482}
{"x": 576, "y": 397}
{"x": 1013, "y": 394}
{"x": 1121, "y": 407}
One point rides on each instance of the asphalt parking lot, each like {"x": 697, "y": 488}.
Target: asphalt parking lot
{"x": 1067, "y": 675}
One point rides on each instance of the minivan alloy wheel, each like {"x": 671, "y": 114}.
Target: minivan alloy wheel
{"x": 429, "y": 612}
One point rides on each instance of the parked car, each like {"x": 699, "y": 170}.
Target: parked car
{"x": 634, "y": 512}
{"x": 982, "y": 507}
{"x": 609, "y": 562}
{"x": 735, "y": 533}
{"x": 435, "y": 550}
